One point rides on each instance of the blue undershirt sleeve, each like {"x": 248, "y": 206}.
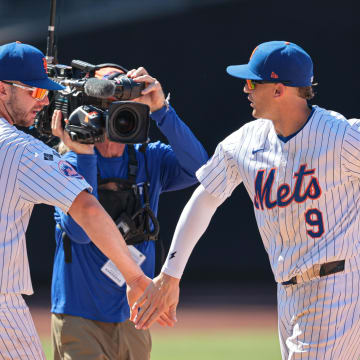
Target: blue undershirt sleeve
{"x": 185, "y": 154}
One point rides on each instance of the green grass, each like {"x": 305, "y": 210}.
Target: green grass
{"x": 229, "y": 345}
{"x": 47, "y": 347}
{"x": 224, "y": 345}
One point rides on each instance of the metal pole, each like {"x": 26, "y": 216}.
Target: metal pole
{"x": 50, "y": 44}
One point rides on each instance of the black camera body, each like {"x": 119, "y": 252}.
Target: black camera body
{"x": 124, "y": 122}
{"x": 102, "y": 89}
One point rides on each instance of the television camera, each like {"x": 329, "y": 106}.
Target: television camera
{"x": 96, "y": 102}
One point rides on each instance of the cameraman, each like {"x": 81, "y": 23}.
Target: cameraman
{"x": 89, "y": 310}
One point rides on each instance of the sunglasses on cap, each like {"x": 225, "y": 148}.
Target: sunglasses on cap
{"x": 36, "y": 93}
{"x": 251, "y": 83}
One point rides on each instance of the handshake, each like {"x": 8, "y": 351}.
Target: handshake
{"x": 158, "y": 302}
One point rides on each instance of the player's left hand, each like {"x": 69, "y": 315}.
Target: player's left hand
{"x": 159, "y": 299}
{"x": 153, "y": 94}
{"x": 136, "y": 289}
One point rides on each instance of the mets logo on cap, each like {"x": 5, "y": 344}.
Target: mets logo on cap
{"x": 45, "y": 64}
{"x": 67, "y": 170}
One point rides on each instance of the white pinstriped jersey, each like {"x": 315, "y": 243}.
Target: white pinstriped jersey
{"x": 30, "y": 173}
{"x": 306, "y": 191}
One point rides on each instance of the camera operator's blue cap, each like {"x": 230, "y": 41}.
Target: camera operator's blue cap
{"x": 27, "y": 64}
{"x": 277, "y": 61}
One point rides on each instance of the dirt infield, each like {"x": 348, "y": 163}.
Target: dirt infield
{"x": 208, "y": 319}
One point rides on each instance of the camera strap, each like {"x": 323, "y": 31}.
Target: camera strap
{"x": 133, "y": 164}
{"x": 153, "y": 235}
{"x": 67, "y": 247}
{"x": 144, "y": 216}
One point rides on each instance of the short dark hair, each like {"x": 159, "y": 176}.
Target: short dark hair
{"x": 306, "y": 92}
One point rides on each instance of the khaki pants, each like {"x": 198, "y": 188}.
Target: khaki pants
{"x": 77, "y": 338}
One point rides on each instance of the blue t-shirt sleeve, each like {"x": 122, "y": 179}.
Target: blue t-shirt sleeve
{"x": 87, "y": 167}
{"x": 184, "y": 155}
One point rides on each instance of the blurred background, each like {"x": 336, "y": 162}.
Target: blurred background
{"x": 186, "y": 45}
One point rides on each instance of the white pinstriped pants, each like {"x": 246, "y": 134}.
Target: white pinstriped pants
{"x": 320, "y": 319}
{"x": 18, "y": 337}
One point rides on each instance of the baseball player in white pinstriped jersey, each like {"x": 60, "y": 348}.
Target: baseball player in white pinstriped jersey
{"x": 301, "y": 167}
{"x": 32, "y": 173}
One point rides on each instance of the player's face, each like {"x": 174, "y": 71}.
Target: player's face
{"x": 22, "y": 107}
{"x": 261, "y": 100}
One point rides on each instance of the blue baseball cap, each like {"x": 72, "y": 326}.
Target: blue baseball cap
{"x": 25, "y": 63}
{"x": 277, "y": 61}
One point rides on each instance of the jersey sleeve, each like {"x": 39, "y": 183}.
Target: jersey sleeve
{"x": 44, "y": 177}
{"x": 86, "y": 165}
{"x": 220, "y": 175}
{"x": 350, "y": 151}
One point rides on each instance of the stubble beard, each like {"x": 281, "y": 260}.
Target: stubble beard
{"x": 16, "y": 113}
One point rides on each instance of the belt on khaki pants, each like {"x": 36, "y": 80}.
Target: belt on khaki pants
{"x": 325, "y": 269}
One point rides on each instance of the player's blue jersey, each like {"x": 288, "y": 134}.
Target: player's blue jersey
{"x": 80, "y": 288}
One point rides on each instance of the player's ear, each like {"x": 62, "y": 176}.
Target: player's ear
{"x": 279, "y": 90}
{"x": 4, "y": 91}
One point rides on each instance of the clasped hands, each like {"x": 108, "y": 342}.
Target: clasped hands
{"x": 158, "y": 303}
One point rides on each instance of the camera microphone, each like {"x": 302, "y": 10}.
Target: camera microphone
{"x": 99, "y": 88}
{"x": 123, "y": 89}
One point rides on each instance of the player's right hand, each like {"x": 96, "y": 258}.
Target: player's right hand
{"x": 158, "y": 302}
{"x": 57, "y": 130}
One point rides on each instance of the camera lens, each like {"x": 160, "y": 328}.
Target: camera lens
{"x": 125, "y": 123}
{"x": 128, "y": 122}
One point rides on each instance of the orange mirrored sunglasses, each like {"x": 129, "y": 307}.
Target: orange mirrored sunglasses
{"x": 36, "y": 93}
{"x": 251, "y": 83}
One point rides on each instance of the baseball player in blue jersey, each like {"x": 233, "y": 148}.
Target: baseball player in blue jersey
{"x": 90, "y": 314}
{"x": 32, "y": 173}
{"x": 301, "y": 167}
